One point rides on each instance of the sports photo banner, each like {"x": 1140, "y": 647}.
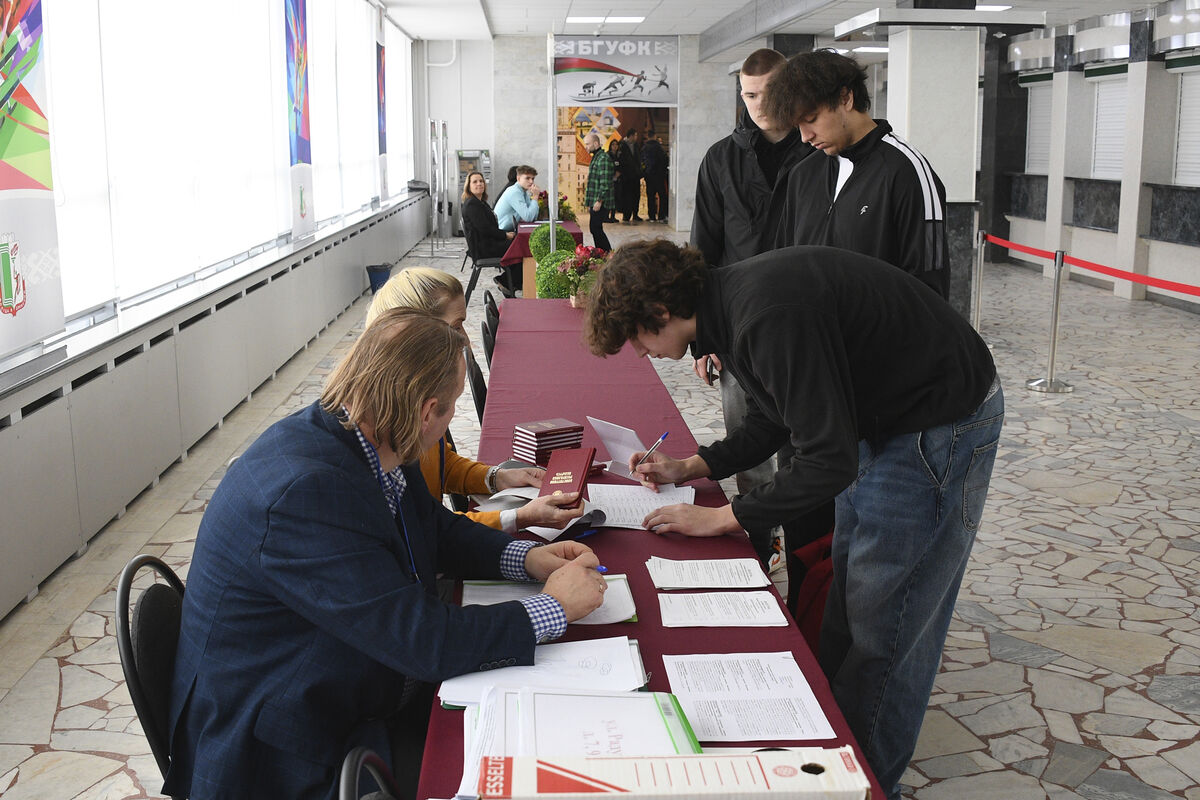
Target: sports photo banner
{"x": 299, "y": 129}
{"x": 31, "y": 301}
{"x": 616, "y": 70}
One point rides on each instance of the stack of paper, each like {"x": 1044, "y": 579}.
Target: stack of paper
{"x": 617, "y": 606}
{"x": 540, "y": 722}
{"x": 611, "y": 664}
{"x": 721, "y": 609}
{"x": 717, "y": 573}
{"x": 745, "y": 697}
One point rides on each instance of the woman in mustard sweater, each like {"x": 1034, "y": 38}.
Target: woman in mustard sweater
{"x": 445, "y": 471}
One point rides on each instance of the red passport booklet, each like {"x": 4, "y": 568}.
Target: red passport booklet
{"x": 567, "y": 471}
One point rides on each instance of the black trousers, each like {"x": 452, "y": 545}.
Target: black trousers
{"x": 656, "y": 197}
{"x": 596, "y": 226}
{"x": 407, "y": 728}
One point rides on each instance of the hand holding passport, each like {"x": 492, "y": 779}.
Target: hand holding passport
{"x": 567, "y": 471}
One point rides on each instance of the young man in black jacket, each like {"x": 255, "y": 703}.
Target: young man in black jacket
{"x": 737, "y": 179}
{"x": 892, "y": 407}
{"x": 873, "y": 193}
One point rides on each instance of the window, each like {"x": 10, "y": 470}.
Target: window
{"x": 1108, "y": 143}
{"x": 1037, "y": 133}
{"x": 397, "y": 71}
{"x": 1187, "y": 135}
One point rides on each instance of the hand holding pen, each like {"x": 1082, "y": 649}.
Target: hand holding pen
{"x": 653, "y": 468}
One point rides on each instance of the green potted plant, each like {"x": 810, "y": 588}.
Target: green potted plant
{"x": 539, "y": 241}
{"x": 570, "y": 274}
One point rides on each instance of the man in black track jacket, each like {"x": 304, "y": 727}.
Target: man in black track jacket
{"x": 874, "y": 193}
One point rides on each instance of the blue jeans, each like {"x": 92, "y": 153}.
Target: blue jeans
{"x": 900, "y": 546}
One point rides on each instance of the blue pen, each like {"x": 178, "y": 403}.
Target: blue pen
{"x": 653, "y": 447}
{"x": 585, "y": 533}
{"x": 602, "y": 570}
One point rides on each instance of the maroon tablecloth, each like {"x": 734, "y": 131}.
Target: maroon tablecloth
{"x": 518, "y": 248}
{"x": 540, "y": 369}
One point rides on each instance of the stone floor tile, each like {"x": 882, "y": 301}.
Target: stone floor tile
{"x": 1186, "y": 759}
{"x": 27, "y": 712}
{"x": 1120, "y": 651}
{"x": 1070, "y": 764}
{"x": 59, "y": 775}
{"x": 1008, "y": 715}
{"x": 1116, "y": 724}
{"x": 1157, "y": 772}
{"x": 1123, "y": 701}
{"x": 942, "y": 735}
{"x": 1176, "y": 692}
{"x": 1168, "y": 730}
{"x": 988, "y": 786}
{"x": 1064, "y": 693}
{"x": 1130, "y": 746}
{"x": 1013, "y": 748}
{"x": 969, "y": 763}
{"x": 1107, "y": 784}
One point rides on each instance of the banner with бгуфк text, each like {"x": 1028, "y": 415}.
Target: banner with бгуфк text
{"x": 616, "y": 70}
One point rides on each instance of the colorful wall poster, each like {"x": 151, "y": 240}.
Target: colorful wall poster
{"x": 31, "y": 302}
{"x": 616, "y": 70}
{"x": 299, "y": 137}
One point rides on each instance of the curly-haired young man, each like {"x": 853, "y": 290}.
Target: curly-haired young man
{"x": 891, "y": 405}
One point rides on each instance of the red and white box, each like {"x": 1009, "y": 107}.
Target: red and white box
{"x": 801, "y": 773}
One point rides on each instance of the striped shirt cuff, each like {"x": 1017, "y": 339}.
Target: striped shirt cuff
{"x": 548, "y": 618}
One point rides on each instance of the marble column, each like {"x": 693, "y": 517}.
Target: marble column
{"x": 1072, "y": 108}
{"x": 933, "y": 89}
{"x": 1005, "y": 124}
{"x": 1149, "y": 149}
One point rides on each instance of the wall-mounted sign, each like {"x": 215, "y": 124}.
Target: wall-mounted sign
{"x": 616, "y": 70}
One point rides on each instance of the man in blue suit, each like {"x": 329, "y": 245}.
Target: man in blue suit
{"x": 311, "y": 609}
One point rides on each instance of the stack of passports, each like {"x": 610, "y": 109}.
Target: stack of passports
{"x": 534, "y": 441}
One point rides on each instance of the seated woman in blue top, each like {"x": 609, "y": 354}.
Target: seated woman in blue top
{"x": 485, "y": 239}
{"x": 519, "y": 201}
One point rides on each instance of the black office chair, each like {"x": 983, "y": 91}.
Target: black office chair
{"x": 491, "y": 312}
{"x": 478, "y": 384}
{"x": 489, "y": 341}
{"x": 477, "y": 264}
{"x": 147, "y": 648}
{"x": 352, "y": 767}
{"x": 459, "y": 502}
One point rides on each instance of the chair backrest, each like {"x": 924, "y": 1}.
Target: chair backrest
{"x": 491, "y": 311}
{"x": 352, "y": 767}
{"x": 489, "y": 341}
{"x": 147, "y": 649}
{"x": 459, "y": 502}
{"x": 478, "y": 384}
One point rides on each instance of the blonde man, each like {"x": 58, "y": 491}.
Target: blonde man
{"x": 311, "y": 612}
{"x": 446, "y": 472}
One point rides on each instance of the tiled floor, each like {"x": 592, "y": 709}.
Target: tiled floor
{"x": 1073, "y": 664}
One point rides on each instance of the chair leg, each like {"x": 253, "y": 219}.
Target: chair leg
{"x": 475, "y": 270}
{"x": 464, "y": 264}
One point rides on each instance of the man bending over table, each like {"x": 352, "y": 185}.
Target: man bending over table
{"x": 311, "y": 613}
{"x": 891, "y": 404}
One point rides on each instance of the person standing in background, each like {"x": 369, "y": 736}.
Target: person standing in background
{"x": 599, "y": 193}
{"x": 654, "y": 168}
{"x": 738, "y": 177}
{"x": 873, "y": 193}
{"x": 614, "y": 152}
{"x": 631, "y": 176}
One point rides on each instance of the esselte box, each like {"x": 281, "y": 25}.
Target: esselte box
{"x": 802, "y": 773}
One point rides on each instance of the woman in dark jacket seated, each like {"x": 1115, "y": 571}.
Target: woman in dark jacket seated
{"x": 484, "y": 237}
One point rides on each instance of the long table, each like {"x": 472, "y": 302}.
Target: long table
{"x": 541, "y": 369}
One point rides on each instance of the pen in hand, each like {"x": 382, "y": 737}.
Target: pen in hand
{"x": 653, "y": 447}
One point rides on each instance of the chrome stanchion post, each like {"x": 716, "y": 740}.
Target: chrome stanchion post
{"x": 977, "y": 279}
{"x": 1049, "y": 384}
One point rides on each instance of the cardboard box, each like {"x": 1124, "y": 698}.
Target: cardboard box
{"x": 801, "y": 773}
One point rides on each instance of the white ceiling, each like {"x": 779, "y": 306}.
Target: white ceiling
{"x": 482, "y": 19}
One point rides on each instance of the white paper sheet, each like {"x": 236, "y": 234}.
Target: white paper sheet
{"x": 608, "y": 505}
{"x": 621, "y": 443}
{"x": 721, "y": 609}
{"x": 746, "y": 697}
{"x": 563, "y": 722}
{"x": 714, "y": 573}
{"x": 617, "y": 605}
{"x": 603, "y": 664}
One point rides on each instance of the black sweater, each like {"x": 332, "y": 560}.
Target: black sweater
{"x": 733, "y": 197}
{"x": 831, "y": 347}
{"x": 892, "y": 206}
{"x": 484, "y": 237}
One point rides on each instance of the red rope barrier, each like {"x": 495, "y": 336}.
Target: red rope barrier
{"x": 1157, "y": 283}
{"x": 1020, "y": 248}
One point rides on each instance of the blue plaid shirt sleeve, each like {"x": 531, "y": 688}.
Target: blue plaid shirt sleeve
{"x": 546, "y": 615}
